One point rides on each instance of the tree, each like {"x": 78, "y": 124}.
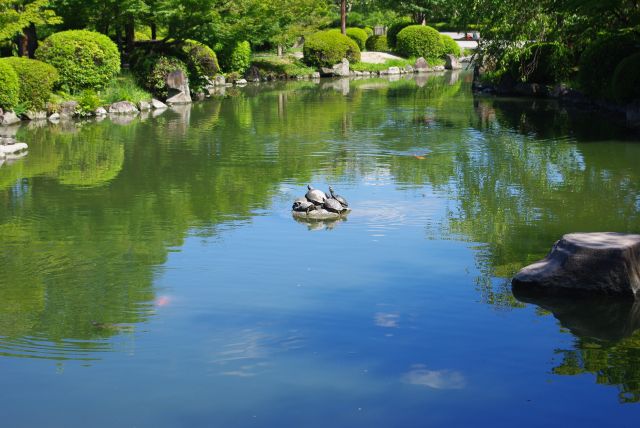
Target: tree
{"x": 19, "y": 18}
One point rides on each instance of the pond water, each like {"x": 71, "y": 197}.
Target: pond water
{"x": 151, "y": 273}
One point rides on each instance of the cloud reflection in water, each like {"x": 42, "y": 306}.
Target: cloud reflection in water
{"x": 436, "y": 379}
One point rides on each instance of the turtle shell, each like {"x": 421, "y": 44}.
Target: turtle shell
{"x": 333, "y": 206}
{"x": 316, "y": 196}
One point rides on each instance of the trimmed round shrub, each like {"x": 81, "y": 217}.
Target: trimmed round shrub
{"x": 393, "y": 31}
{"x": 377, "y": 44}
{"x": 369, "y": 31}
{"x": 599, "y": 61}
{"x": 84, "y": 59}
{"x": 450, "y": 46}
{"x": 359, "y": 36}
{"x": 156, "y": 69}
{"x": 326, "y": 48}
{"x": 9, "y": 86}
{"x": 237, "y": 58}
{"x": 201, "y": 61}
{"x": 625, "y": 83}
{"x": 36, "y": 81}
{"x": 420, "y": 40}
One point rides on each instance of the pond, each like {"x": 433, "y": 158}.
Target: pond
{"x": 151, "y": 273}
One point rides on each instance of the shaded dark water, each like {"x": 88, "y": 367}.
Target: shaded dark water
{"x": 151, "y": 273}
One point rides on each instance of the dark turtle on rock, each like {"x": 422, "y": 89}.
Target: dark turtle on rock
{"x": 303, "y": 205}
{"x": 332, "y": 205}
{"x": 338, "y": 198}
{"x": 316, "y": 196}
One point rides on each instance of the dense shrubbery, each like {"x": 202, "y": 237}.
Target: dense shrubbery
{"x": 201, "y": 61}
{"x": 326, "y": 48}
{"x": 599, "y": 60}
{"x": 377, "y": 44}
{"x": 544, "y": 62}
{"x": 419, "y": 40}
{"x": 369, "y": 31}
{"x": 152, "y": 72}
{"x": 236, "y": 58}
{"x": 36, "y": 81}
{"x": 393, "y": 31}
{"x": 359, "y": 36}
{"x": 9, "y": 86}
{"x": 84, "y": 59}
{"x": 625, "y": 83}
{"x": 450, "y": 46}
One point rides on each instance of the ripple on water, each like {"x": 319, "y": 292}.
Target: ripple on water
{"x": 63, "y": 349}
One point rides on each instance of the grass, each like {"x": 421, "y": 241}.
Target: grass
{"x": 123, "y": 88}
{"x": 281, "y": 66}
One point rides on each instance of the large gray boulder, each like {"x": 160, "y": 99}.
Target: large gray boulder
{"x": 421, "y": 65}
{"x": 178, "y": 86}
{"x": 158, "y": 105}
{"x": 339, "y": 70}
{"x": 123, "y": 107}
{"x": 586, "y": 263}
{"x": 8, "y": 118}
{"x": 451, "y": 62}
{"x": 68, "y": 109}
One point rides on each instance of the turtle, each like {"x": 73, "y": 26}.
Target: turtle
{"x": 332, "y": 205}
{"x": 316, "y": 196}
{"x": 302, "y": 205}
{"x": 338, "y": 198}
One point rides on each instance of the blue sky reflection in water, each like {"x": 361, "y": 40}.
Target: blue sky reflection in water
{"x": 153, "y": 275}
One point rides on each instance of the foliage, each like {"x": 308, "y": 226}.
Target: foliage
{"x": 237, "y": 58}
{"x": 88, "y": 101}
{"x": 599, "y": 61}
{"x": 36, "y": 81}
{"x": 393, "y": 30}
{"x": 368, "y": 30}
{"x": 201, "y": 61}
{"x": 450, "y": 46}
{"x": 153, "y": 71}
{"x": 124, "y": 88}
{"x": 377, "y": 44}
{"x": 359, "y": 36}
{"x": 9, "y": 86}
{"x": 326, "y": 48}
{"x": 420, "y": 40}
{"x": 84, "y": 59}
{"x": 424, "y": 10}
{"x": 15, "y": 15}
{"x": 626, "y": 79}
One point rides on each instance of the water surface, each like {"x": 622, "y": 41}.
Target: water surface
{"x": 151, "y": 273}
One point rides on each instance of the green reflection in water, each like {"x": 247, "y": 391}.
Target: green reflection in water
{"x": 88, "y": 218}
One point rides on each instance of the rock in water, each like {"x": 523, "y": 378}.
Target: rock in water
{"x": 421, "y": 65}
{"x": 178, "y": 86}
{"x": 123, "y": 107}
{"x": 586, "y": 263}
{"x": 451, "y": 62}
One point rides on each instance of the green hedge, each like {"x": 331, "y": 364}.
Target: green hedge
{"x": 394, "y": 29}
{"x": 202, "y": 63}
{"x": 9, "y": 86}
{"x": 599, "y": 60}
{"x": 36, "y": 81}
{"x": 420, "y": 41}
{"x": 359, "y": 36}
{"x": 326, "y": 48}
{"x": 369, "y": 31}
{"x": 450, "y": 46}
{"x": 236, "y": 58}
{"x": 626, "y": 79}
{"x": 84, "y": 59}
{"x": 377, "y": 44}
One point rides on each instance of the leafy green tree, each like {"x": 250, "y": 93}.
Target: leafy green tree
{"x": 19, "y": 20}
